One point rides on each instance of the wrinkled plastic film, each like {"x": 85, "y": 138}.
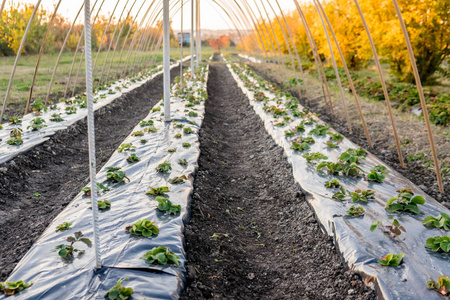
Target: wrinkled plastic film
{"x": 358, "y": 246}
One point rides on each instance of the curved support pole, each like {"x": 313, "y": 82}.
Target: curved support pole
{"x": 181, "y": 47}
{"x": 266, "y": 30}
{"x": 383, "y": 84}
{"x": 349, "y": 78}
{"x": 336, "y": 72}
{"x": 191, "y": 41}
{"x": 273, "y": 32}
{"x": 421, "y": 95}
{"x": 19, "y": 52}
{"x": 41, "y": 51}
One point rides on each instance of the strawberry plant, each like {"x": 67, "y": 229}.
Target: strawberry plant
{"x": 300, "y": 127}
{"x": 300, "y": 147}
{"x": 56, "y": 118}
{"x": 351, "y": 169}
{"x": 138, "y": 133}
{"x": 165, "y": 205}
{"x": 36, "y": 124}
{"x": 377, "y": 174}
{"x": 164, "y": 167}
{"x": 15, "y": 120}
{"x": 442, "y": 285}
{"x": 38, "y": 106}
{"x": 183, "y": 162}
{"x": 320, "y": 129}
{"x": 68, "y": 250}
{"x": 192, "y": 114}
{"x": 332, "y": 184}
{"x": 314, "y": 156}
{"x": 438, "y": 243}
{"x": 178, "y": 179}
{"x": 391, "y": 260}
{"x": 17, "y": 141}
{"x": 335, "y": 136}
{"x": 157, "y": 108}
{"x": 143, "y": 141}
{"x": 162, "y": 256}
{"x": 188, "y": 130}
{"x": 380, "y": 169}
{"x": 126, "y": 147}
{"x": 118, "y": 292}
{"x": 330, "y": 144}
{"x": 361, "y": 195}
{"x": 260, "y": 97}
{"x": 341, "y": 194}
{"x": 143, "y": 227}
{"x": 158, "y": 191}
{"x": 178, "y": 125}
{"x": 332, "y": 168}
{"x": 441, "y": 221}
{"x": 103, "y": 204}
{"x": 144, "y": 123}
{"x": 289, "y": 132}
{"x": 151, "y": 129}
{"x": 100, "y": 187}
{"x": 172, "y": 150}
{"x": 11, "y": 288}
{"x": 308, "y": 140}
{"x": 405, "y": 201}
{"x": 133, "y": 158}
{"x": 16, "y": 132}
{"x": 355, "y": 211}
{"x": 394, "y": 228}
{"x": 70, "y": 110}
{"x": 351, "y": 156}
{"x": 63, "y": 226}
{"x": 279, "y": 124}
{"x": 114, "y": 174}
{"x": 186, "y": 145}
{"x": 177, "y": 136}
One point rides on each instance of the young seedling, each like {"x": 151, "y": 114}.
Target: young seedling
{"x": 178, "y": 125}
{"x": 332, "y": 184}
{"x": 158, "y": 191}
{"x": 300, "y": 127}
{"x": 391, "y": 259}
{"x": 442, "y": 285}
{"x": 68, "y": 250}
{"x": 63, "y": 226}
{"x": 17, "y": 141}
{"x": 186, "y": 145}
{"x": 103, "y": 204}
{"x": 351, "y": 169}
{"x": 192, "y": 114}
{"x": 438, "y": 243}
{"x": 126, "y": 147}
{"x": 172, "y": 150}
{"x": 143, "y": 141}
{"x": 162, "y": 256}
{"x": 177, "y": 136}
{"x": 151, "y": 129}
{"x": 15, "y": 120}
{"x": 56, "y": 118}
{"x": 70, "y": 110}
{"x": 289, "y": 133}
{"x": 38, "y": 107}
{"x": 320, "y": 129}
{"x": 100, "y": 187}
{"x": 441, "y": 221}
{"x": 118, "y": 292}
{"x": 313, "y": 156}
{"x": 330, "y": 144}
{"x": 36, "y": 124}
{"x": 300, "y": 147}
{"x": 260, "y": 97}
{"x": 114, "y": 174}
{"x": 188, "y": 130}
{"x": 14, "y": 287}
{"x": 355, "y": 211}
{"x": 352, "y": 156}
{"x": 178, "y": 179}
{"x": 332, "y": 168}
{"x": 405, "y": 201}
{"x": 36, "y": 194}
{"x": 183, "y": 162}
{"x": 335, "y": 136}
{"x": 144, "y": 228}
{"x": 308, "y": 140}
{"x": 279, "y": 124}
{"x": 165, "y": 205}
{"x": 133, "y": 158}
{"x": 144, "y": 123}
{"x": 360, "y": 195}
{"x": 394, "y": 228}
{"x": 164, "y": 167}
{"x": 341, "y": 194}
{"x": 138, "y": 133}
{"x": 16, "y": 132}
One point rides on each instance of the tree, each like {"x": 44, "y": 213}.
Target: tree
{"x": 222, "y": 41}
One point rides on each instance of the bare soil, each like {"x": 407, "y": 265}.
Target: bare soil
{"x": 58, "y": 169}
{"x": 252, "y": 234}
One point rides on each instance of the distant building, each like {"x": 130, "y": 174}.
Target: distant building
{"x": 183, "y": 36}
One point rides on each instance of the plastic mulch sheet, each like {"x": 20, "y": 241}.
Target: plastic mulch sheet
{"x": 121, "y": 252}
{"x": 34, "y": 138}
{"x": 360, "y": 248}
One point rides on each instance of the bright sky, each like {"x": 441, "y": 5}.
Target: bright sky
{"x": 212, "y": 16}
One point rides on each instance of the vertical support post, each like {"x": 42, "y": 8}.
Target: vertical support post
{"x": 91, "y": 130}
{"x": 181, "y": 47}
{"x": 191, "y": 40}
{"x": 166, "y": 58}
{"x": 197, "y": 36}
{"x": 421, "y": 96}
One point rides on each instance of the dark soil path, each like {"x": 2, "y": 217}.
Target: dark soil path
{"x": 58, "y": 169}
{"x": 252, "y": 235}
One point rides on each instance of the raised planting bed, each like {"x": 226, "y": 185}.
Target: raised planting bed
{"x": 22, "y": 134}
{"x": 158, "y": 159}
{"x": 336, "y": 178}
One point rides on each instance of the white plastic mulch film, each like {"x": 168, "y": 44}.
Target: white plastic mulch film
{"x": 359, "y": 247}
{"x": 69, "y": 117}
{"x": 121, "y": 252}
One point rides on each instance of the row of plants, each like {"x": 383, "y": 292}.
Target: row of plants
{"x": 192, "y": 97}
{"x": 284, "y": 108}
